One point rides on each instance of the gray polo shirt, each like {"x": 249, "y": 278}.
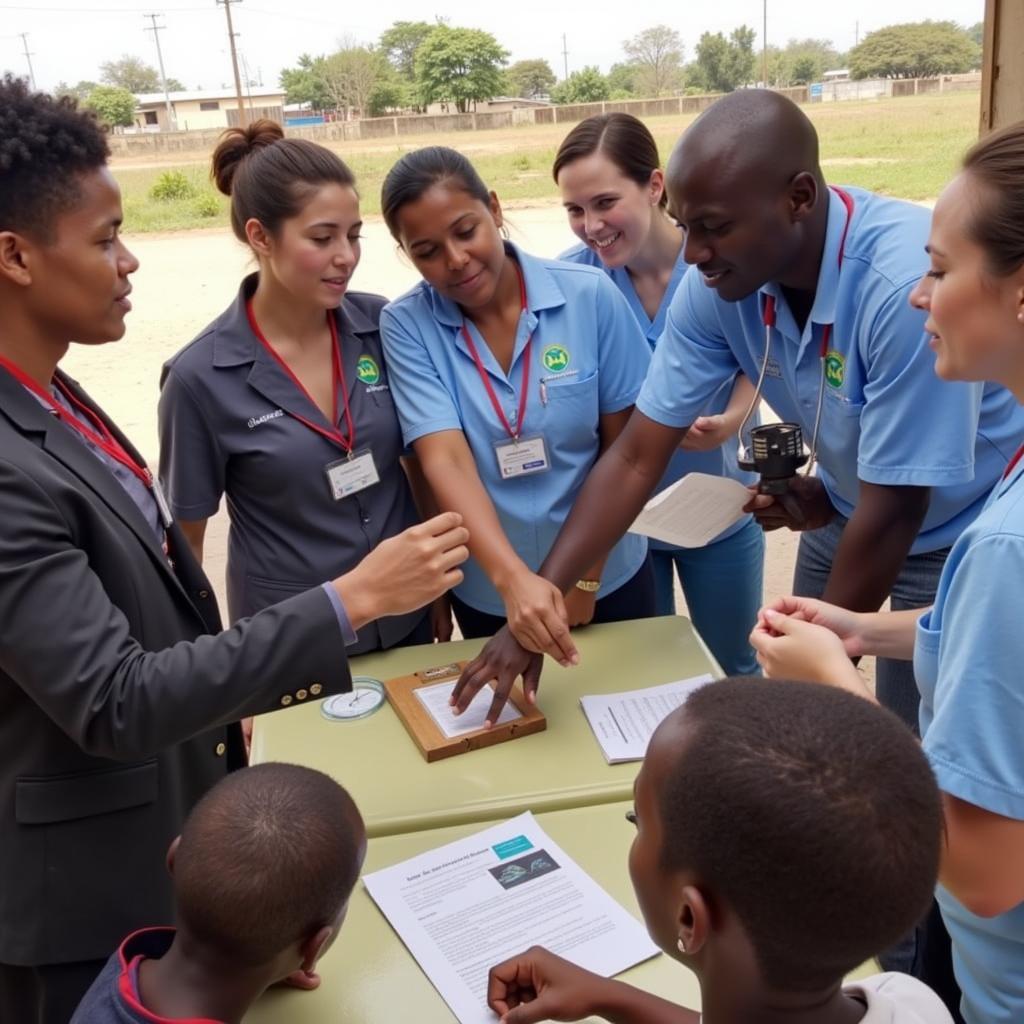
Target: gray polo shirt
{"x": 228, "y": 426}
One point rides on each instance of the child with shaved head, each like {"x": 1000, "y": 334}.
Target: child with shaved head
{"x": 785, "y": 834}
{"x": 263, "y": 871}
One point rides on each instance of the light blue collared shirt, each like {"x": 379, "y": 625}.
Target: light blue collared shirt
{"x": 887, "y": 418}
{"x": 587, "y": 356}
{"x": 718, "y": 462}
{"x": 967, "y": 661}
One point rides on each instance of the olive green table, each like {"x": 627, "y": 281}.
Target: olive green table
{"x": 562, "y": 767}
{"x": 370, "y": 978}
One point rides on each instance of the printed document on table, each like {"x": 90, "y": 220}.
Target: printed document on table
{"x": 467, "y": 906}
{"x": 625, "y": 722}
{"x": 435, "y": 700}
{"x": 692, "y": 511}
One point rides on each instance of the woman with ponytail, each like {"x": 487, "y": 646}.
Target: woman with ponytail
{"x": 283, "y": 403}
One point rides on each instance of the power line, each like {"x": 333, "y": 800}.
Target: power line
{"x": 242, "y": 119}
{"x": 28, "y": 57}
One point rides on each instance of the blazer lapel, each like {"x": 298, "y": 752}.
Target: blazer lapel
{"x": 59, "y": 442}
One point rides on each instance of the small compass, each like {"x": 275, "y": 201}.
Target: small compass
{"x": 365, "y": 697}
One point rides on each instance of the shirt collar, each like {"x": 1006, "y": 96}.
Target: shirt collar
{"x": 824, "y": 309}
{"x": 147, "y": 944}
{"x": 542, "y": 290}
{"x": 234, "y": 343}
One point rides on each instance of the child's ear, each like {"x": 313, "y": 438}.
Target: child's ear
{"x": 172, "y": 852}
{"x": 693, "y": 922}
{"x": 312, "y": 948}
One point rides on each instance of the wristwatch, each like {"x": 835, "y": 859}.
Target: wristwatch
{"x": 590, "y": 586}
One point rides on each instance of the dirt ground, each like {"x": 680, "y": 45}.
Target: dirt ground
{"x": 186, "y": 279}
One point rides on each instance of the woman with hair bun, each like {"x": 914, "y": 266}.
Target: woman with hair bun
{"x": 283, "y": 403}
{"x": 613, "y": 190}
{"x": 968, "y": 648}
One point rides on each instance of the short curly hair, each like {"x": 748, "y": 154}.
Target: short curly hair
{"x": 46, "y": 143}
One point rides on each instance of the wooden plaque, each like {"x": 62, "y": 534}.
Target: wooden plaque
{"x": 431, "y": 740}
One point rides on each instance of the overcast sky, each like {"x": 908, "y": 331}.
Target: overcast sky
{"x": 69, "y": 39}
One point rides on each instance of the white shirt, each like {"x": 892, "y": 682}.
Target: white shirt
{"x": 898, "y": 999}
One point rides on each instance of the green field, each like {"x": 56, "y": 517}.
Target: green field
{"x": 904, "y": 147}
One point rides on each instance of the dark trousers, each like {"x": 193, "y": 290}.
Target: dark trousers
{"x": 44, "y": 995}
{"x": 635, "y": 599}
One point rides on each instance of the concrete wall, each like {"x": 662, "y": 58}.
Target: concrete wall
{"x": 444, "y": 124}
{"x": 877, "y": 88}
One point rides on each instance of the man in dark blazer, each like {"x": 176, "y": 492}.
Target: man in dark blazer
{"x": 119, "y": 692}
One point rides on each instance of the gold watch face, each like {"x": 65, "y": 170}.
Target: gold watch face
{"x": 590, "y": 586}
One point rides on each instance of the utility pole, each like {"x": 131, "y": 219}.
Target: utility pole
{"x": 248, "y": 83}
{"x": 160, "y": 58}
{"x": 242, "y": 119}
{"x": 28, "y": 57}
{"x": 856, "y": 33}
{"x": 764, "y": 47}
{"x": 565, "y": 56}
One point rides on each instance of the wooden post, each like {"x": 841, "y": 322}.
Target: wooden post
{"x": 1002, "y": 68}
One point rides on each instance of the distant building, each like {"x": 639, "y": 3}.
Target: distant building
{"x": 839, "y": 75}
{"x": 207, "y": 108}
{"x": 493, "y": 105}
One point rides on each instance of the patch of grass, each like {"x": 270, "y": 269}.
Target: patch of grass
{"x": 903, "y": 147}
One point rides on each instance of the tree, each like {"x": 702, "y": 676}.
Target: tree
{"x": 802, "y": 61}
{"x": 622, "y": 79}
{"x": 305, "y": 83}
{"x": 131, "y": 73}
{"x": 175, "y": 85}
{"x": 587, "y": 85}
{"x": 723, "y": 65}
{"x": 916, "y": 50}
{"x": 977, "y": 33}
{"x": 352, "y": 75}
{"x": 657, "y": 55}
{"x": 460, "y": 66}
{"x": 79, "y": 91}
{"x": 400, "y": 43}
{"x": 113, "y": 105}
{"x": 530, "y": 78}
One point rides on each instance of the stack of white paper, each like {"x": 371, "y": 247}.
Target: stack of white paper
{"x": 625, "y": 722}
{"x": 467, "y": 906}
{"x": 692, "y": 511}
{"x": 435, "y": 700}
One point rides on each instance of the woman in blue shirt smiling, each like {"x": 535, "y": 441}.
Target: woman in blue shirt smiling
{"x": 511, "y": 374}
{"x": 613, "y": 189}
{"x": 968, "y": 648}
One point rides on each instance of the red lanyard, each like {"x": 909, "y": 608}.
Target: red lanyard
{"x": 98, "y": 434}
{"x": 335, "y": 436}
{"x": 1013, "y": 462}
{"x": 768, "y": 317}
{"x": 485, "y": 377}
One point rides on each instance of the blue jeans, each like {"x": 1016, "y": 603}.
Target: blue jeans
{"x": 723, "y": 584}
{"x": 914, "y": 588}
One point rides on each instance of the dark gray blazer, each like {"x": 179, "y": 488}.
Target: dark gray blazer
{"x": 117, "y": 691}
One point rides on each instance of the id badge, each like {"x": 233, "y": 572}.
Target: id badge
{"x": 521, "y": 457}
{"x": 352, "y": 474}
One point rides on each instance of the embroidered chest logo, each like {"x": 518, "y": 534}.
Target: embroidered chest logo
{"x": 367, "y": 370}
{"x": 555, "y": 358}
{"x": 835, "y": 369}
{"x": 256, "y": 421}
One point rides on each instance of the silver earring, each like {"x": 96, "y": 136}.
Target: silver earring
{"x": 681, "y": 944}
